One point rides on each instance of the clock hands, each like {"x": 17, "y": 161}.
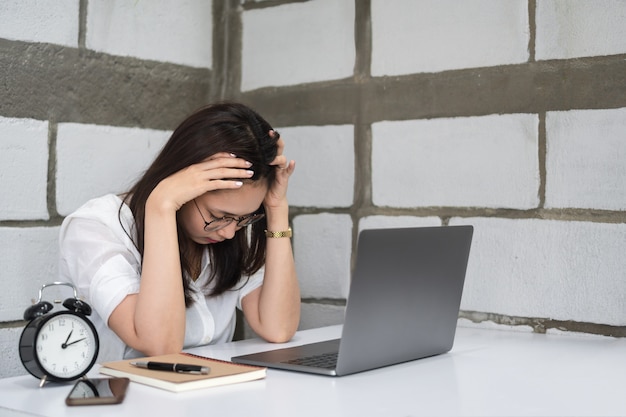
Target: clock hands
{"x": 68, "y": 339}
{"x": 64, "y": 345}
{"x": 75, "y": 341}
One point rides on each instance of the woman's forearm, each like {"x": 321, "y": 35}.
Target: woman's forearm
{"x": 159, "y": 318}
{"x": 279, "y": 300}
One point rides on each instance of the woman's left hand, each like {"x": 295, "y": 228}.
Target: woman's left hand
{"x": 273, "y": 310}
{"x": 277, "y": 195}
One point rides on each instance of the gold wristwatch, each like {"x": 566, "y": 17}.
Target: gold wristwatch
{"x": 284, "y": 233}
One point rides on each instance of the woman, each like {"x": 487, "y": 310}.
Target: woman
{"x": 203, "y": 231}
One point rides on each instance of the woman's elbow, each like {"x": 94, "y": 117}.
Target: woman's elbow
{"x": 280, "y": 335}
{"x": 163, "y": 348}
{"x": 279, "y": 338}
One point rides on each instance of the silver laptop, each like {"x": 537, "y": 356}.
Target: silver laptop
{"x": 403, "y": 304}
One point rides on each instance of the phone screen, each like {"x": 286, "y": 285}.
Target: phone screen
{"x": 96, "y": 391}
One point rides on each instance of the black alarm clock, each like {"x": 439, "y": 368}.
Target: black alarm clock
{"x": 60, "y": 346}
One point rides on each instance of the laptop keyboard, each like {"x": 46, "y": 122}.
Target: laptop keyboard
{"x": 325, "y": 360}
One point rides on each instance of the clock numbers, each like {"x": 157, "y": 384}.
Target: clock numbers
{"x": 66, "y": 345}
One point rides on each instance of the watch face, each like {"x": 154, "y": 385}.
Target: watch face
{"x": 66, "y": 346}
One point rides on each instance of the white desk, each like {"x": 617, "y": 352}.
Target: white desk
{"x": 487, "y": 373}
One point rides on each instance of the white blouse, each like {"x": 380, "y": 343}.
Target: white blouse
{"x": 101, "y": 261}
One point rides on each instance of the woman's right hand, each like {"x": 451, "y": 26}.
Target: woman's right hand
{"x": 218, "y": 172}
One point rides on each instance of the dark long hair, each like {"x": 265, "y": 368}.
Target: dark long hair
{"x": 222, "y": 127}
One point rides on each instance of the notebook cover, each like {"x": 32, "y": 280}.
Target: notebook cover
{"x": 222, "y": 372}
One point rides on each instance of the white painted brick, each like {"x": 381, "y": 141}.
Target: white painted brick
{"x": 178, "y": 31}
{"x": 390, "y": 222}
{"x": 412, "y": 36}
{"x": 320, "y": 315}
{"x": 24, "y": 172}
{"x": 95, "y": 160}
{"x": 29, "y": 258}
{"x": 298, "y": 43}
{"x": 10, "y": 364}
{"x": 324, "y": 155}
{"x": 322, "y": 248}
{"x": 487, "y": 161}
{"x": 577, "y": 28}
{"x": 586, "y": 161}
{"x": 46, "y": 21}
{"x": 548, "y": 269}
{"x": 461, "y": 322}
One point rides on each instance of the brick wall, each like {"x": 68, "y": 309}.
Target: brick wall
{"x": 509, "y": 116}
{"x": 91, "y": 92}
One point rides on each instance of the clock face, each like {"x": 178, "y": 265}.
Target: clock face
{"x": 66, "y": 346}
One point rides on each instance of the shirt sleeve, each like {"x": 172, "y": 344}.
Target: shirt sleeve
{"x": 253, "y": 282}
{"x": 102, "y": 266}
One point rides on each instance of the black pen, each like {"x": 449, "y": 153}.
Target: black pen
{"x": 173, "y": 367}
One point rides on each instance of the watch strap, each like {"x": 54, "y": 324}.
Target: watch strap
{"x": 283, "y": 233}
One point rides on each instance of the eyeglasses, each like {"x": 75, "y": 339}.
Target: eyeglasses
{"x": 222, "y": 222}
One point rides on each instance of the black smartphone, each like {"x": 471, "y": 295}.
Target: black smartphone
{"x": 97, "y": 391}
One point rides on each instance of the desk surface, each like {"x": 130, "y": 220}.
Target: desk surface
{"x": 487, "y": 373}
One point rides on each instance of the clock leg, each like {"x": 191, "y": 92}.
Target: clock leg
{"x": 43, "y": 381}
